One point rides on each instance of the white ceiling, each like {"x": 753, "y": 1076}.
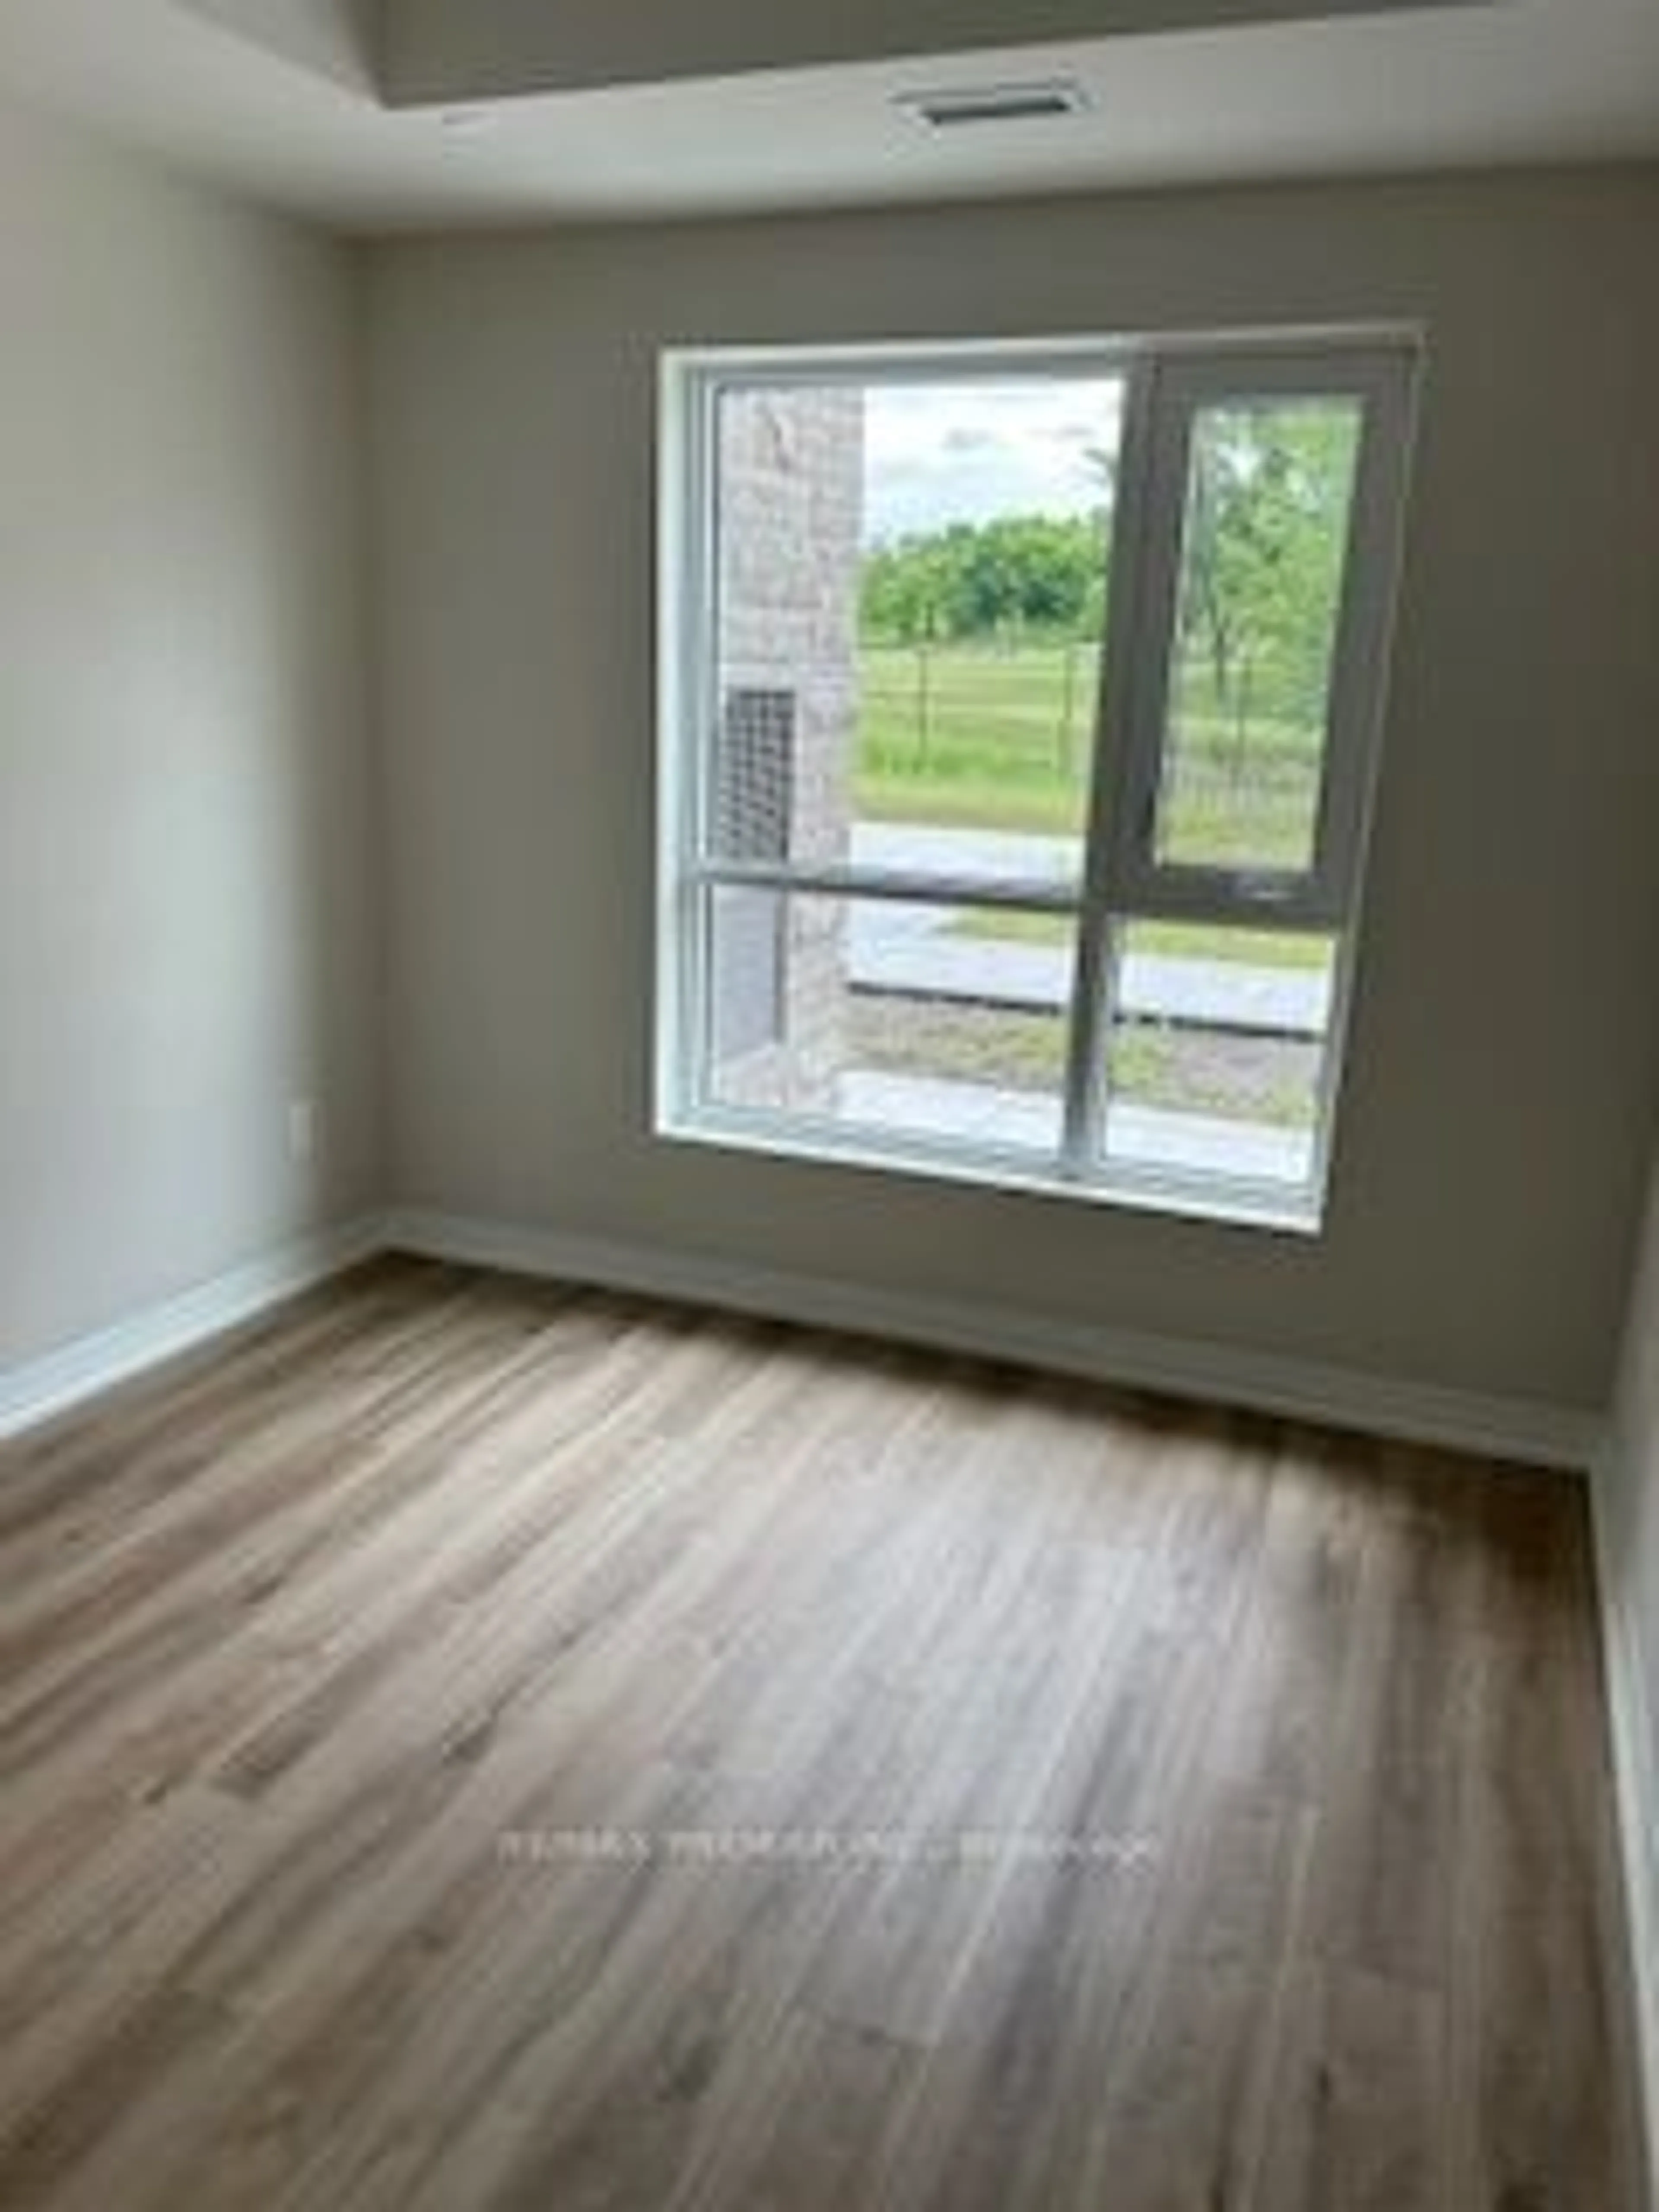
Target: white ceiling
{"x": 279, "y": 99}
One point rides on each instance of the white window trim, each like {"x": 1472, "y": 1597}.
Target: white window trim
{"x": 1167, "y": 379}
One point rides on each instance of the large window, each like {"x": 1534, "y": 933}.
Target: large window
{"x": 1019, "y": 714}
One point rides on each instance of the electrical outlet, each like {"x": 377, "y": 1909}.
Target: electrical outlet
{"x": 302, "y": 1131}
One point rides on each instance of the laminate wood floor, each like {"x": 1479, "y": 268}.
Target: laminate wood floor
{"x": 470, "y": 1748}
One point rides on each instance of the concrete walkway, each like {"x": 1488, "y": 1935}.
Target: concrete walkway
{"x": 915, "y": 951}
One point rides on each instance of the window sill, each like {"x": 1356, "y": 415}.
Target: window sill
{"x": 1208, "y": 1200}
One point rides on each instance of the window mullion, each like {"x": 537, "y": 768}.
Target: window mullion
{"x": 1121, "y": 660}
{"x": 1018, "y": 894}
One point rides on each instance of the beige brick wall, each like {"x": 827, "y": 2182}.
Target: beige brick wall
{"x": 792, "y": 494}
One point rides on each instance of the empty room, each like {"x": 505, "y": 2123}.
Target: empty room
{"x": 829, "y": 1093}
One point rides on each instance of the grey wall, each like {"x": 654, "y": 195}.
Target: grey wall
{"x": 187, "y": 924}
{"x": 1505, "y": 1055}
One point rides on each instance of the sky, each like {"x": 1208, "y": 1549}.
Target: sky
{"x": 966, "y": 452}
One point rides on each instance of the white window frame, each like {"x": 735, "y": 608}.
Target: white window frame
{"x": 1167, "y": 383}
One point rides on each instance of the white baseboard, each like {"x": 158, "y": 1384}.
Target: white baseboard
{"x": 1533, "y": 1432}
{"x": 1636, "y": 1788}
{"x": 1514, "y": 1429}
{"x": 38, "y": 1388}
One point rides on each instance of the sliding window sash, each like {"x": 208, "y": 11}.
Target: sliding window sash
{"x": 1321, "y": 897}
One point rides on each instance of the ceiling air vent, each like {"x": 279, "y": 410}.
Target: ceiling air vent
{"x": 996, "y": 103}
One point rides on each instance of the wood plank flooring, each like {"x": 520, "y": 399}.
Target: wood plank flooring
{"x": 473, "y": 1747}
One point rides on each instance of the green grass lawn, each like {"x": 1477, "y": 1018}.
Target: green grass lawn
{"x": 972, "y": 736}
{"x": 1176, "y": 940}
{"x": 980, "y": 740}
{"x": 975, "y": 736}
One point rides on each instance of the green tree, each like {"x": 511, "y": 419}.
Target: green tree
{"x": 905, "y": 592}
{"x": 1016, "y": 573}
{"x": 1267, "y": 500}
